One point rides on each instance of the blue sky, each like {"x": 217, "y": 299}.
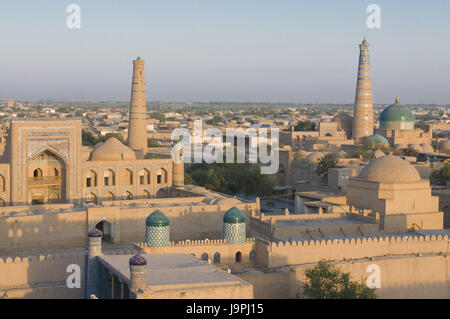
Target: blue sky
{"x": 227, "y": 50}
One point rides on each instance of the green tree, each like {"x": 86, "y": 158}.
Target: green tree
{"x": 326, "y": 281}
{"x": 325, "y": 163}
{"x": 87, "y": 138}
{"x": 151, "y": 142}
{"x": 305, "y": 126}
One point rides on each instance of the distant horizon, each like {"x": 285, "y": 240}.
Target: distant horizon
{"x": 257, "y": 50}
{"x": 221, "y": 102}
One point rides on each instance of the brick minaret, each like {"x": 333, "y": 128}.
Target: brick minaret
{"x": 137, "y": 130}
{"x": 363, "y": 116}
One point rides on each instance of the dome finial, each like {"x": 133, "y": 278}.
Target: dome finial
{"x": 397, "y": 100}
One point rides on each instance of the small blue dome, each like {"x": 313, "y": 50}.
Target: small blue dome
{"x": 157, "y": 218}
{"x": 94, "y": 232}
{"x": 378, "y": 139}
{"x": 138, "y": 58}
{"x": 234, "y": 216}
{"x": 137, "y": 260}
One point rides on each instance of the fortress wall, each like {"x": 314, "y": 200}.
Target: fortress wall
{"x": 400, "y": 277}
{"x": 200, "y": 247}
{"x": 40, "y": 276}
{"x": 269, "y": 285}
{"x": 44, "y": 231}
{"x": 301, "y": 252}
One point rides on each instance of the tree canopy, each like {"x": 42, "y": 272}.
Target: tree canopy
{"x": 325, "y": 163}
{"x": 326, "y": 281}
{"x": 305, "y": 126}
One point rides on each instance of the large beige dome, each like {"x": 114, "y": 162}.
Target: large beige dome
{"x": 390, "y": 168}
{"x": 112, "y": 150}
{"x": 314, "y": 157}
{"x": 427, "y": 148}
{"x": 444, "y": 145}
{"x": 415, "y": 147}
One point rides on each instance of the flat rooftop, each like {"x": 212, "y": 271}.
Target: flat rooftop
{"x": 318, "y": 222}
{"x": 174, "y": 270}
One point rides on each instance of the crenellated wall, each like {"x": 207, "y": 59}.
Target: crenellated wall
{"x": 273, "y": 254}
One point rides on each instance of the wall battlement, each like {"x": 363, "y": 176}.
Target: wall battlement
{"x": 276, "y": 254}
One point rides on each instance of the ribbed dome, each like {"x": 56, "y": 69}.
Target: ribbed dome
{"x": 343, "y": 116}
{"x": 157, "y": 218}
{"x": 390, "y": 168}
{"x": 444, "y": 145}
{"x": 234, "y": 216}
{"x": 378, "y": 139}
{"x": 314, "y": 157}
{"x": 415, "y": 147}
{"x": 427, "y": 148}
{"x": 112, "y": 150}
{"x": 397, "y": 117}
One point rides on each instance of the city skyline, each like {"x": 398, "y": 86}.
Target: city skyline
{"x": 294, "y": 52}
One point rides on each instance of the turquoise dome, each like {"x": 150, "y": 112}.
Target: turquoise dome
{"x": 234, "y": 216}
{"x": 157, "y": 218}
{"x": 397, "y": 116}
{"x": 378, "y": 139}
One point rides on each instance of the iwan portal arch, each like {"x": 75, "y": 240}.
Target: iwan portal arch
{"x": 46, "y": 178}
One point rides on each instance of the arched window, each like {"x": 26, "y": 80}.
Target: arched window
{"x": 144, "y": 177}
{"x": 127, "y": 196}
{"x": 238, "y": 257}
{"x": 109, "y": 178}
{"x": 37, "y": 173}
{"x": 145, "y": 194}
{"x": 110, "y": 196}
{"x": 251, "y": 257}
{"x": 161, "y": 176}
{"x": 205, "y": 256}
{"x": 55, "y": 172}
{"x": 217, "y": 258}
{"x": 91, "y": 179}
{"x": 126, "y": 177}
{"x": 91, "y": 198}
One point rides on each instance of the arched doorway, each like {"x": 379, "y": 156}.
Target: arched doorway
{"x": 107, "y": 229}
{"x": 217, "y": 258}
{"x": 46, "y": 178}
{"x": 238, "y": 257}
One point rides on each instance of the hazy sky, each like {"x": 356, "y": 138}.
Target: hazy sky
{"x": 227, "y": 50}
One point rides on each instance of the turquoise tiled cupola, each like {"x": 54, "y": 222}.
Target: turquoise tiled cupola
{"x": 234, "y": 226}
{"x": 157, "y": 230}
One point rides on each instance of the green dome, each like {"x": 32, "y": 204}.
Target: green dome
{"x": 157, "y": 218}
{"x": 395, "y": 113}
{"x": 234, "y": 216}
{"x": 378, "y": 139}
{"x": 138, "y": 58}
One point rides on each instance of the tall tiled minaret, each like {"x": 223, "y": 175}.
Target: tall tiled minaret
{"x": 137, "y": 129}
{"x": 363, "y": 116}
